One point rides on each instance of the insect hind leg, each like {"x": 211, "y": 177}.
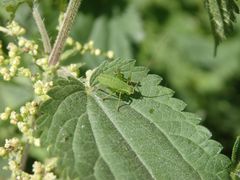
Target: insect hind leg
{"x": 108, "y": 95}
{"x": 126, "y": 101}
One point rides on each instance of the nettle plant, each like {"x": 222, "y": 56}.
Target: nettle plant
{"x": 114, "y": 122}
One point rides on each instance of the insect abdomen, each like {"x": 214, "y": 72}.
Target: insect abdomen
{"x": 115, "y": 84}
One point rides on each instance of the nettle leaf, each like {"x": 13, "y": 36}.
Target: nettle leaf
{"x": 12, "y": 5}
{"x": 147, "y": 137}
{"x": 235, "y": 173}
{"x": 222, "y": 15}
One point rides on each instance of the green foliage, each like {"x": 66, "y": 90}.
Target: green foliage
{"x": 12, "y": 5}
{"x": 182, "y": 52}
{"x": 236, "y": 152}
{"x": 177, "y": 45}
{"x": 15, "y": 94}
{"x": 235, "y": 174}
{"x": 3, "y": 174}
{"x": 117, "y": 32}
{"x": 148, "y": 138}
{"x": 222, "y": 16}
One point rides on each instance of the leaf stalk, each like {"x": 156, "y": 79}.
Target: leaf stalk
{"x": 63, "y": 33}
{"x": 42, "y": 30}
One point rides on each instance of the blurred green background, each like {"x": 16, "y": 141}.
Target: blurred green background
{"x": 172, "y": 38}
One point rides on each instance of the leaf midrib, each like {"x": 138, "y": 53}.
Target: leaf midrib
{"x": 102, "y": 107}
{"x": 163, "y": 132}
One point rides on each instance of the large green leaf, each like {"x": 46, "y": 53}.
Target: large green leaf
{"x": 148, "y": 137}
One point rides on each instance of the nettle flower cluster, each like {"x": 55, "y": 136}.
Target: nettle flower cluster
{"x": 11, "y": 66}
{"x": 87, "y": 47}
{"x": 14, "y": 149}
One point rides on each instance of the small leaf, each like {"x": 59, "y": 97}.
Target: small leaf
{"x": 222, "y": 15}
{"x": 12, "y": 5}
{"x": 149, "y": 137}
{"x": 15, "y": 93}
{"x": 236, "y": 151}
{"x": 235, "y": 173}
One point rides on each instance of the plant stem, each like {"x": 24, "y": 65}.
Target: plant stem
{"x": 65, "y": 28}
{"x": 42, "y": 29}
{"x": 25, "y": 156}
{"x": 4, "y": 30}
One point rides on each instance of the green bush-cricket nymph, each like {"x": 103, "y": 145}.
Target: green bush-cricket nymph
{"x": 117, "y": 84}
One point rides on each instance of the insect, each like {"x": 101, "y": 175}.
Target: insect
{"x": 117, "y": 84}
